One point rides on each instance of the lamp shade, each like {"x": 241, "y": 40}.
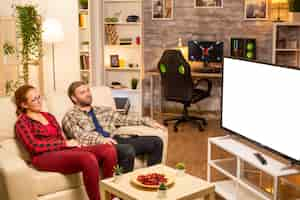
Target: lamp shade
{"x": 52, "y": 31}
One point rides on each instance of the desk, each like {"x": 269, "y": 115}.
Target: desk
{"x": 195, "y": 75}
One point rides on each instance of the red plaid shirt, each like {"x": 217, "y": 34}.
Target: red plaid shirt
{"x": 36, "y": 137}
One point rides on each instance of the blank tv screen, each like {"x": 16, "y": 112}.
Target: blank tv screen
{"x": 262, "y": 103}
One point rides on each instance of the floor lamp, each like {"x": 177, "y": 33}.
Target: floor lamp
{"x": 52, "y": 34}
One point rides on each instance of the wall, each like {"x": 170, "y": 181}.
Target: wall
{"x": 204, "y": 24}
{"x": 66, "y": 52}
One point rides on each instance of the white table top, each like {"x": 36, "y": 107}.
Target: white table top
{"x": 184, "y": 187}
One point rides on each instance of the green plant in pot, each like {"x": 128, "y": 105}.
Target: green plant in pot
{"x": 134, "y": 83}
{"x": 162, "y": 191}
{"x": 8, "y": 50}
{"x": 294, "y": 5}
{"x": 29, "y": 32}
{"x": 180, "y": 167}
{"x": 84, "y": 4}
{"x": 294, "y": 8}
{"x": 118, "y": 171}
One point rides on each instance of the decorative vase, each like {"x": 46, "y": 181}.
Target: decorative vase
{"x": 117, "y": 178}
{"x": 161, "y": 194}
{"x": 180, "y": 172}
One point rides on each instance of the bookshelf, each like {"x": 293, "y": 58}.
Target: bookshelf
{"x": 286, "y": 44}
{"x": 85, "y": 42}
{"x": 124, "y": 39}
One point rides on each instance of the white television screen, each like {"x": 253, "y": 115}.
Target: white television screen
{"x": 262, "y": 103}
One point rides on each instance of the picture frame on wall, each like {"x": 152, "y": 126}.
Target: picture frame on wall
{"x": 256, "y": 10}
{"x": 162, "y": 9}
{"x": 114, "y": 61}
{"x": 208, "y": 3}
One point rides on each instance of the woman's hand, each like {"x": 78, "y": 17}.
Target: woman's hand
{"x": 73, "y": 143}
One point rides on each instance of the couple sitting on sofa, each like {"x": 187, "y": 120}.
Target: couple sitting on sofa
{"x": 90, "y": 137}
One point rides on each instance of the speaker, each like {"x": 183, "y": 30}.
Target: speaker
{"x": 243, "y": 48}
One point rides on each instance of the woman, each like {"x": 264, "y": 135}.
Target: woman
{"x": 42, "y": 136}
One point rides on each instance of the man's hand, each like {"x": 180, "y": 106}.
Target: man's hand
{"x": 73, "y": 143}
{"x": 109, "y": 141}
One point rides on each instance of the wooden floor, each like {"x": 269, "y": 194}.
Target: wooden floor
{"x": 189, "y": 145}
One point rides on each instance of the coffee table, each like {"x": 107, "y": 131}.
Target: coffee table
{"x": 186, "y": 187}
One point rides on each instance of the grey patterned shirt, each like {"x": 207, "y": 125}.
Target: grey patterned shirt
{"x": 77, "y": 124}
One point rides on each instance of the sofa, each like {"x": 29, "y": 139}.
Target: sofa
{"x": 20, "y": 181}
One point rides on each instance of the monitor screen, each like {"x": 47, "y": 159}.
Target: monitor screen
{"x": 262, "y": 103}
{"x": 205, "y": 51}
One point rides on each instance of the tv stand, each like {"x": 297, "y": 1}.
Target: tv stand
{"x": 236, "y": 187}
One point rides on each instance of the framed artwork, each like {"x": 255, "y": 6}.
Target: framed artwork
{"x": 162, "y": 9}
{"x": 208, "y": 3}
{"x": 256, "y": 9}
{"x": 114, "y": 61}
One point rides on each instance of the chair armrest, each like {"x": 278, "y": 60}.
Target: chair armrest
{"x": 146, "y": 131}
{"x": 208, "y": 83}
{"x": 16, "y": 181}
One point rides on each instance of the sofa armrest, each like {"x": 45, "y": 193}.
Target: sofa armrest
{"x": 16, "y": 181}
{"x": 146, "y": 131}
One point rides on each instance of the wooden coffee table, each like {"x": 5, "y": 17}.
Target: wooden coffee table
{"x": 186, "y": 187}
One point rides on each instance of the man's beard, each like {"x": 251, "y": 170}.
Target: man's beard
{"x": 85, "y": 103}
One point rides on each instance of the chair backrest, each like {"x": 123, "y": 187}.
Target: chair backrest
{"x": 176, "y": 80}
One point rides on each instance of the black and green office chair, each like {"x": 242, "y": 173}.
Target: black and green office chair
{"x": 178, "y": 86}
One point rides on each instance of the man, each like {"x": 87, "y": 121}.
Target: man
{"x": 92, "y": 125}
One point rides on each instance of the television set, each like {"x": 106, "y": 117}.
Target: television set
{"x": 261, "y": 102}
{"x": 205, "y": 51}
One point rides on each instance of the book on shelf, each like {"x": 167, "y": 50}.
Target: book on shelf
{"x": 84, "y": 62}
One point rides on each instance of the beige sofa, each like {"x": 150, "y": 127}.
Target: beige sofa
{"x": 19, "y": 181}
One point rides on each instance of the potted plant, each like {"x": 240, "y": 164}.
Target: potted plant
{"x": 294, "y": 8}
{"x": 180, "y": 167}
{"x": 84, "y": 4}
{"x": 118, "y": 171}
{"x": 134, "y": 83}
{"x": 29, "y": 29}
{"x": 8, "y": 50}
{"x": 162, "y": 191}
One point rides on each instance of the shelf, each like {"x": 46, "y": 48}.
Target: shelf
{"x": 83, "y": 10}
{"x": 122, "y": 69}
{"x": 288, "y": 50}
{"x": 246, "y": 153}
{"x": 84, "y": 52}
{"x": 123, "y": 23}
{"x": 126, "y": 90}
{"x": 227, "y": 166}
{"x": 122, "y": 1}
{"x": 228, "y": 190}
{"x": 85, "y": 70}
{"x": 123, "y": 46}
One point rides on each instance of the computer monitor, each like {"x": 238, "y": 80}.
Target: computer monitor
{"x": 205, "y": 51}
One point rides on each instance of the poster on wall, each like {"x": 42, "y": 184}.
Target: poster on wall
{"x": 162, "y": 9}
{"x": 208, "y": 3}
{"x": 256, "y": 10}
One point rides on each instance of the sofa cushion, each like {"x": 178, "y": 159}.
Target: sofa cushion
{"x": 51, "y": 182}
{"x": 14, "y": 147}
{"x": 8, "y": 117}
{"x": 59, "y": 103}
{"x": 102, "y": 96}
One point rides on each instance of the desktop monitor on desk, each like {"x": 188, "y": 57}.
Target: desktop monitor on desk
{"x": 206, "y": 51}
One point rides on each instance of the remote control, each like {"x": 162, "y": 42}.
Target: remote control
{"x": 261, "y": 159}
